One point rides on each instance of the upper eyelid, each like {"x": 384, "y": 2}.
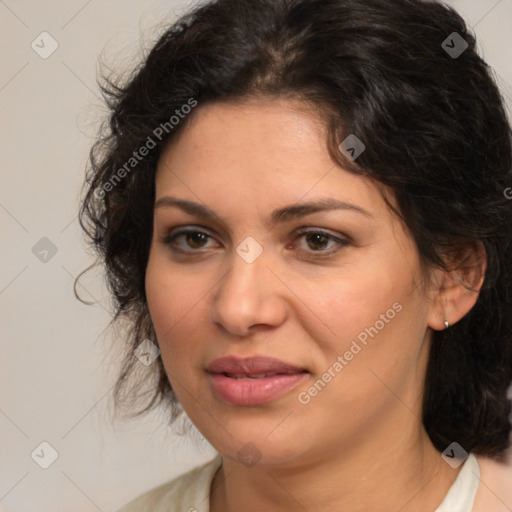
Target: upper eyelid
{"x": 192, "y": 228}
{"x": 297, "y": 233}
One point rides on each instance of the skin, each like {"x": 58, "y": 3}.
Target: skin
{"x": 358, "y": 444}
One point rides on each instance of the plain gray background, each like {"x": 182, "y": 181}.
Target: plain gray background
{"x": 56, "y": 372}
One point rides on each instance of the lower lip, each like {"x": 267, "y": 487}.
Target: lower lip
{"x": 254, "y": 391}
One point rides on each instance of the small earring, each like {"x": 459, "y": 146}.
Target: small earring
{"x": 446, "y": 324}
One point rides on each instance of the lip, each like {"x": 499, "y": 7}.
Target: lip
{"x": 239, "y": 380}
{"x": 251, "y": 365}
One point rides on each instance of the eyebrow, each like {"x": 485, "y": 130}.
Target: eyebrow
{"x": 280, "y": 215}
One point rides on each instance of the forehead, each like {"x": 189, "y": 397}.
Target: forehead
{"x": 275, "y": 125}
{"x": 264, "y": 153}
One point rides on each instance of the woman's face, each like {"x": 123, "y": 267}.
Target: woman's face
{"x": 264, "y": 248}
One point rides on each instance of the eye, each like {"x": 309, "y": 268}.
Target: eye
{"x": 192, "y": 239}
{"x": 188, "y": 240}
{"x": 318, "y": 241}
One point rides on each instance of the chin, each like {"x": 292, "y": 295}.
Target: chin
{"x": 256, "y": 441}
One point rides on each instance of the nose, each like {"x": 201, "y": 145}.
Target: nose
{"x": 249, "y": 295}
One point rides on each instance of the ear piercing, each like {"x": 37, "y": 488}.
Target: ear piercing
{"x": 446, "y": 324}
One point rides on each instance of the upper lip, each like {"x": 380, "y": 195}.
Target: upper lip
{"x": 251, "y": 365}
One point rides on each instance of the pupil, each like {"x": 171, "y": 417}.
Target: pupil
{"x": 318, "y": 241}
{"x": 195, "y": 239}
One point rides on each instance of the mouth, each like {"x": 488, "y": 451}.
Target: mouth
{"x": 254, "y": 380}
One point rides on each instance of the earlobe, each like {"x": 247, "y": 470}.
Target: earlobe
{"x": 457, "y": 290}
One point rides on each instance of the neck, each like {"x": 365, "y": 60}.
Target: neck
{"x": 405, "y": 473}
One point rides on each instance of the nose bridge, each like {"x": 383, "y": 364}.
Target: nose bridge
{"x": 248, "y": 294}
{"x": 248, "y": 266}
{"x": 242, "y": 284}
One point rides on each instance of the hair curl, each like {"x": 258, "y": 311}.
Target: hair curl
{"x": 435, "y": 130}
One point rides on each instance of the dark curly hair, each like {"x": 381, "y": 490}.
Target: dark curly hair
{"x": 436, "y": 133}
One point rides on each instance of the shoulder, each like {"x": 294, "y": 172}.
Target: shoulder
{"x": 495, "y": 490}
{"x": 187, "y": 492}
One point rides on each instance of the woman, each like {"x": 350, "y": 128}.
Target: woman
{"x": 302, "y": 204}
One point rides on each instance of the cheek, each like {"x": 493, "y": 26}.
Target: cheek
{"x": 375, "y": 305}
{"x": 171, "y": 293}
{"x": 379, "y": 321}
{"x": 354, "y": 301}
{"x": 169, "y": 299}
{"x": 177, "y": 302}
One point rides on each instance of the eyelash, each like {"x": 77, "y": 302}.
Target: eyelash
{"x": 341, "y": 243}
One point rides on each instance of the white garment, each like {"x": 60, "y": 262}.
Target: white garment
{"x": 191, "y": 492}
{"x": 461, "y": 495}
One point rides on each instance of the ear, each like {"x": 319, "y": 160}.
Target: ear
{"x": 455, "y": 291}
